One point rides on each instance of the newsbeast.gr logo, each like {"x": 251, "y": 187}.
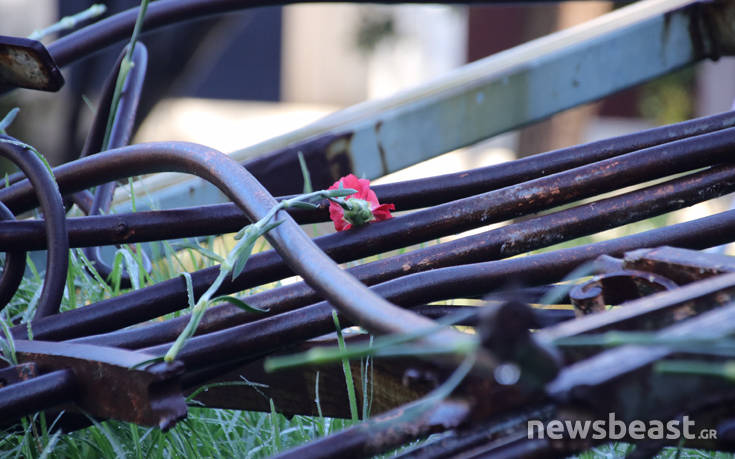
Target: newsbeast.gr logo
{"x": 615, "y": 429}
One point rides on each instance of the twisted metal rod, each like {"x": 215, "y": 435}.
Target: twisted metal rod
{"x": 47, "y": 193}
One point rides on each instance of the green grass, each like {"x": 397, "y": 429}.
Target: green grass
{"x": 205, "y": 433}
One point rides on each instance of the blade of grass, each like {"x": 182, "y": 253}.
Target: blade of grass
{"x": 347, "y": 371}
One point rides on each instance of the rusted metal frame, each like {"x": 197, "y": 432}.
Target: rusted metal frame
{"x": 398, "y": 232}
{"x": 498, "y": 243}
{"x": 542, "y": 317}
{"x": 584, "y": 181}
{"x": 224, "y": 218}
{"x": 646, "y": 271}
{"x": 47, "y": 194}
{"x": 489, "y": 438}
{"x": 515, "y": 446}
{"x": 298, "y": 250}
{"x": 435, "y": 190}
{"x": 253, "y": 337}
{"x": 14, "y": 266}
{"x": 616, "y": 287}
{"x": 120, "y": 134}
{"x": 388, "y": 430}
{"x": 631, "y": 387}
{"x": 278, "y": 170}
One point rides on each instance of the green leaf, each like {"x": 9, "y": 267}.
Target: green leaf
{"x": 242, "y": 259}
{"x": 270, "y": 226}
{"x": 305, "y": 173}
{"x": 145, "y": 363}
{"x": 189, "y": 288}
{"x": 8, "y": 119}
{"x": 240, "y": 234}
{"x": 239, "y": 303}
{"x": 131, "y": 266}
{"x": 340, "y": 193}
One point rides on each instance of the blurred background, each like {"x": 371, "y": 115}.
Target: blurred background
{"x": 232, "y": 81}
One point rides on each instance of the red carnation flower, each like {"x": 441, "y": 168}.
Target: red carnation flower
{"x": 359, "y": 208}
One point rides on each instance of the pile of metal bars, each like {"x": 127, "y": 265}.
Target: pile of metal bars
{"x": 92, "y": 360}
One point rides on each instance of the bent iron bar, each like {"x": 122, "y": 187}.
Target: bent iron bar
{"x": 443, "y": 220}
{"x": 50, "y": 201}
{"x": 120, "y": 134}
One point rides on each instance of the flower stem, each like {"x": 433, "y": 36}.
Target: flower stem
{"x": 235, "y": 261}
{"x": 197, "y": 314}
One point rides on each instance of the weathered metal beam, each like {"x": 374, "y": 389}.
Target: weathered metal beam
{"x": 680, "y": 265}
{"x": 623, "y": 380}
{"x": 648, "y": 313}
{"x": 109, "y": 382}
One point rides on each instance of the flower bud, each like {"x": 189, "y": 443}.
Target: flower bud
{"x": 358, "y": 212}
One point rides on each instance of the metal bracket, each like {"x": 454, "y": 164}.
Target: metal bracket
{"x": 26, "y": 63}
{"x": 114, "y": 383}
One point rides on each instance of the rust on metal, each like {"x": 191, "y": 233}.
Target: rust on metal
{"x": 617, "y": 287}
{"x": 114, "y": 383}
{"x": 26, "y": 63}
{"x": 17, "y": 373}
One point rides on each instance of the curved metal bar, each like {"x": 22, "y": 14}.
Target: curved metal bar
{"x": 398, "y": 232}
{"x": 296, "y": 248}
{"x": 96, "y": 134}
{"x": 495, "y": 244}
{"x": 15, "y": 266}
{"x": 122, "y": 130}
{"x": 47, "y": 193}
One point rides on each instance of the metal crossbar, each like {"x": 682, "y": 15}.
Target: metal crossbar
{"x": 89, "y": 360}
